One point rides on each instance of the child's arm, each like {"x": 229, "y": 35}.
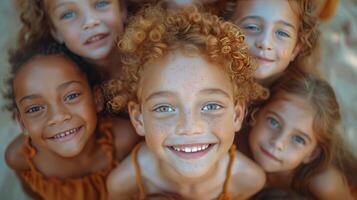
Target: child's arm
{"x": 16, "y": 161}
{"x": 14, "y": 157}
{"x": 330, "y": 184}
{"x": 121, "y": 182}
{"x": 248, "y": 179}
{"x": 125, "y": 137}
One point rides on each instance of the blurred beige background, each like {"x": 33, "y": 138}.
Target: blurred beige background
{"x": 339, "y": 61}
{"x": 9, "y": 185}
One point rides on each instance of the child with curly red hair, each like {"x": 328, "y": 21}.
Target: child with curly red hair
{"x": 188, "y": 79}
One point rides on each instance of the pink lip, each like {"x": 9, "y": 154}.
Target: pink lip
{"x": 263, "y": 59}
{"x": 268, "y": 154}
{"x": 96, "y": 39}
{"x": 190, "y": 155}
{"x": 67, "y": 135}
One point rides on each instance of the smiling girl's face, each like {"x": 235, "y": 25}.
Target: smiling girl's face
{"x": 271, "y": 31}
{"x": 282, "y": 135}
{"x": 55, "y": 104}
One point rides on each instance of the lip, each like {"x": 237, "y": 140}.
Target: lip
{"x": 191, "y": 151}
{"x": 97, "y": 39}
{"x": 66, "y": 135}
{"x": 264, "y": 59}
{"x": 269, "y": 155}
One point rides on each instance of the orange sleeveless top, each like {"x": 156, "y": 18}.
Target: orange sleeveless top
{"x": 142, "y": 195}
{"x": 88, "y": 187}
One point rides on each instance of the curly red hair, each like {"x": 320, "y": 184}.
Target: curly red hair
{"x": 155, "y": 31}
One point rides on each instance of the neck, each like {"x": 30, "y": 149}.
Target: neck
{"x": 109, "y": 66}
{"x": 280, "y": 179}
{"x": 209, "y": 184}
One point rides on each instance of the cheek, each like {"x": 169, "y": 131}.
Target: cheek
{"x": 295, "y": 157}
{"x": 114, "y": 21}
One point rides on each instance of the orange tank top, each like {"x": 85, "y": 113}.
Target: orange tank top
{"x": 88, "y": 187}
{"x": 142, "y": 195}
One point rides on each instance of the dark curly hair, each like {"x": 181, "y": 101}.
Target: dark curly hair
{"x": 20, "y": 56}
{"x": 155, "y": 32}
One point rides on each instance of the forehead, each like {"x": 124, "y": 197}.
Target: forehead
{"x": 46, "y": 70}
{"x": 179, "y": 72}
{"x": 268, "y": 10}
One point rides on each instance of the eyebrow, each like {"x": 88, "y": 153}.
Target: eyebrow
{"x": 60, "y": 87}
{"x": 216, "y": 91}
{"x": 59, "y": 5}
{"x": 166, "y": 93}
{"x": 279, "y": 22}
{"x": 29, "y": 97}
{"x": 280, "y": 118}
{"x": 68, "y": 83}
{"x": 287, "y": 24}
{"x": 248, "y": 17}
{"x": 163, "y": 93}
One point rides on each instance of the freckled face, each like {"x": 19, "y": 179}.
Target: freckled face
{"x": 187, "y": 113}
{"x": 282, "y": 137}
{"x": 55, "y": 104}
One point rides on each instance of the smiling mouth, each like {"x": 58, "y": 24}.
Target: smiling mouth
{"x": 96, "y": 38}
{"x": 191, "y": 151}
{"x": 269, "y": 155}
{"x": 264, "y": 59}
{"x": 66, "y": 135}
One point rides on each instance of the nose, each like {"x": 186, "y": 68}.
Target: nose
{"x": 59, "y": 115}
{"x": 190, "y": 123}
{"x": 278, "y": 142}
{"x": 264, "y": 41}
{"x": 90, "y": 22}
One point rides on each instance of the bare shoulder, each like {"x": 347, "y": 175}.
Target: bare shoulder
{"x": 121, "y": 182}
{"x": 13, "y": 155}
{"x": 330, "y": 184}
{"x": 254, "y": 177}
{"x": 125, "y": 137}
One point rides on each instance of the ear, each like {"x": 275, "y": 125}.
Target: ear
{"x": 312, "y": 156}
{"x": 239, "y": 110}
{"x": 22, "y": 125}
{"x": 98, "y": 98}
{"x": 57, "y": 36}
{"x": 136, "y": 117}
{"x": 296, "y": 51}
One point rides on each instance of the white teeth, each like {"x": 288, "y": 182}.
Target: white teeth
{"x": 94, "y": 39}
{"x": 192, "y": 149}
{"x": 64, "y": 134}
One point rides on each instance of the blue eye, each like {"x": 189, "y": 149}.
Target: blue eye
{"x": 162, "y": 109}
{"x": 211, "y": 106}
{"x": 299, "y": 139}
{"x": 68, "y": 15}
{"x": 273, "y": 123}
{"x": 252, "y": 28}
{"x": 34, "y": 109}
{"x": 282, "y": 34}
{"x": 101, "y": 4}
{"x": 71, "y": 96}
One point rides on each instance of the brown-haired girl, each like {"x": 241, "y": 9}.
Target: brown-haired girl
{"x": 278, "y": 32}
{"x": 188, "y": 79}
{"x": 294, "y": 138}
{"x": 89, "y": 29}
{"x": 65, "y": 151}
